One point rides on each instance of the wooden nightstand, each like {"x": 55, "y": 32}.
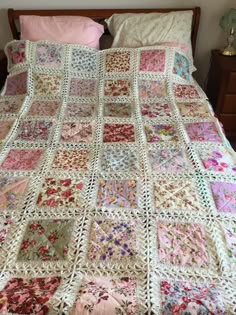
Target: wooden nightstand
{"x": 3, "y": 68}
{"x": 221, "y": 90}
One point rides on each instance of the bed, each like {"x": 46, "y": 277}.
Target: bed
{"x": 117, "y": 184}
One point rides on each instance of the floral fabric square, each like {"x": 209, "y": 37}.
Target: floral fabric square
{"x": 74, "y": 110}
{"x": 77, "y": 132}
{"x": 44, "y": 108}
{"x": 203, "y": 131}
{"x": 114, "y": 88}
{"x": 169, "y": 161}
{"x": 119, "y": 160}
{"x": 83, "y": 60}
{"x": 10, "y": 106}
{"x": 12, "y": 190}
{"x": 16, "y": 52}
{"x": 46, "y": 240}
{"x": 49, "y": 55}
{"x": 185, "y": 91}
{"x": 118, "y": 62}
{"x": 191, "y": 298}
{"x": 31, "y": 130}
{"x": 117, "y": 193}
{"x": 155, "y": 110}
{"x": 121, "y": 110}
{"x": 152, "y": 89}
{"x": 28, "y": 296}
{"x": 118, "y": 133}
{"x": 182, "y": 244}
{"x": 22, "y": 159}
{"x": 112, "y": 241}
{"x": 60, "y": 193}
{"x": 153, "y": 60}
{"x": 159, "y": 133}
{"x": 107, "y": 296}
{"x": 230, "y": 236}
{"x": 220, "y": 160}
{"x": 194, "y": 109}
{"x": 83, "y": 87}
{"x": 5, "y": 127}
{"x": 181, "y": 67}
{"x": 224, "y": 195}
{"x": 71, "y": 160}
{"x": 47, "y": 85}
{"x": 176, "y": 194}
{"x": 16, "y": 84}
{"x": 4, "y": 230}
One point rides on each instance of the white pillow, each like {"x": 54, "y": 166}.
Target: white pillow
{"x": 148, "y": 29}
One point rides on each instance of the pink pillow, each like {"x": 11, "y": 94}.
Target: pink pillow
{"x": 64, "y": 29}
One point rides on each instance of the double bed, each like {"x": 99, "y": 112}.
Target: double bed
{"x": 117, "y": 184}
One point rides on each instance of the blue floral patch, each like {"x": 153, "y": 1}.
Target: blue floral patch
{"x": 181, "y": 67}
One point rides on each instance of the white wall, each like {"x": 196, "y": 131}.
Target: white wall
{"x": 210, "y": 35}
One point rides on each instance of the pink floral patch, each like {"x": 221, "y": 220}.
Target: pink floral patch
{"x": 118, "y": 133}
{"x": 28, "y": 296}
{"x": 224, "y": 195}
{"x": 10, "y": 105}
{"x": 31, "y": 130}
{"x": 16, "y": 84}
{"x": 155, "y": 110}
{"x": 117, "y": 193}
{"x": 74, "y": 110}
{"x": 121, "y": 110}
{"x": 152, "y": 89}
{"x": 5, "y": 127}
{"x": 77, "y": 160}
{"x": 159, "y": 133}
{"x": 77, "y": 132}
{"x": 60, "y": 193}
{"x": 82, "y": 87}
{"x": 117, "y": 88}
{"x": 185, "y": 91}
{"x": 182, "y": 244}
{"x": 44, "y": 108}
{"x": 24, "y": 159}
{"x": 203, "y": 131}
{"x": 4, "y": 230}
{"x": 152, "y": 60}
{"x": 16, "y": 52}
{"x": 221, "y": 160}
{"x": 49, "y": 55}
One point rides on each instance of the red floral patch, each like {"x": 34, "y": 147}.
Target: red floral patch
{"x": 118, "y": 133}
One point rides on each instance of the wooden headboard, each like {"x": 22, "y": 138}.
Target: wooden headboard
{"x": 99, "y": 16}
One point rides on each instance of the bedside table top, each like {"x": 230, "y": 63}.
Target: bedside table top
{"x": 225, "y": 62}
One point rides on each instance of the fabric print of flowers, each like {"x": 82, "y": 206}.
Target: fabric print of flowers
{"x": 181, "y": 67}
{"x": 47, "y": 85}
{"x": 4, "y": 230}
{"x": 44, "y": 108}
{"x": 159, "y": 133}
{"x": 194, "y": 109}
{"x": 46, "y": 240}
{"x": 185, "y": 91}
{"x": 152, "y": 89}
{"x": 218, "y": 161}
{"x": 82, "y": 87}
{"x": 203, "y": 131}
{"x": 155, "y": 110}
{"x": 61, "y": 193}
{"x": 152, "y": 60}
{"x": 5, "y": 127}
{"x": 11, "y": 106}
{"x": 114, "y": 88}
{"x": 12, "y": 190}
{"x": 117, "y": 193}
{"x": 83, "y": 60}
{"x": 112, "y": 241}
{"x": 28, "y": 296}
{"x": 77, "y": 132}
{"x": 31, "y": 130}
{"x": 22, "y": 159}
{"x": 121, "y": 110}
{"x": 118, "y": 133}
{"x": 118, "y": 62}
{"x": 230, "y": 236}
{"x": 16, "y": 84}
{"x": 169, "y": 161}
{"x": 176, "y": 194}
{"x": 74, "y": 110}
{"x": 71, "y": 160}
{"x": 224, "y": 195}
{"x": 117, "y": 296}
{"x": 181, "y": 298}
{"x": 16, "y": 52}
{"x": 49, "y": 55}
{"x": 182, "y": 244}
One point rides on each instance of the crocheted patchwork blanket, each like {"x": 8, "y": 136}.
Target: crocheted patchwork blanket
{"x": 117, "y": 185}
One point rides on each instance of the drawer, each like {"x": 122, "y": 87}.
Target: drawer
{"x": 232, "y": 83}
{"x": 229, "y": 105}
{"x": 229, "y": 122}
